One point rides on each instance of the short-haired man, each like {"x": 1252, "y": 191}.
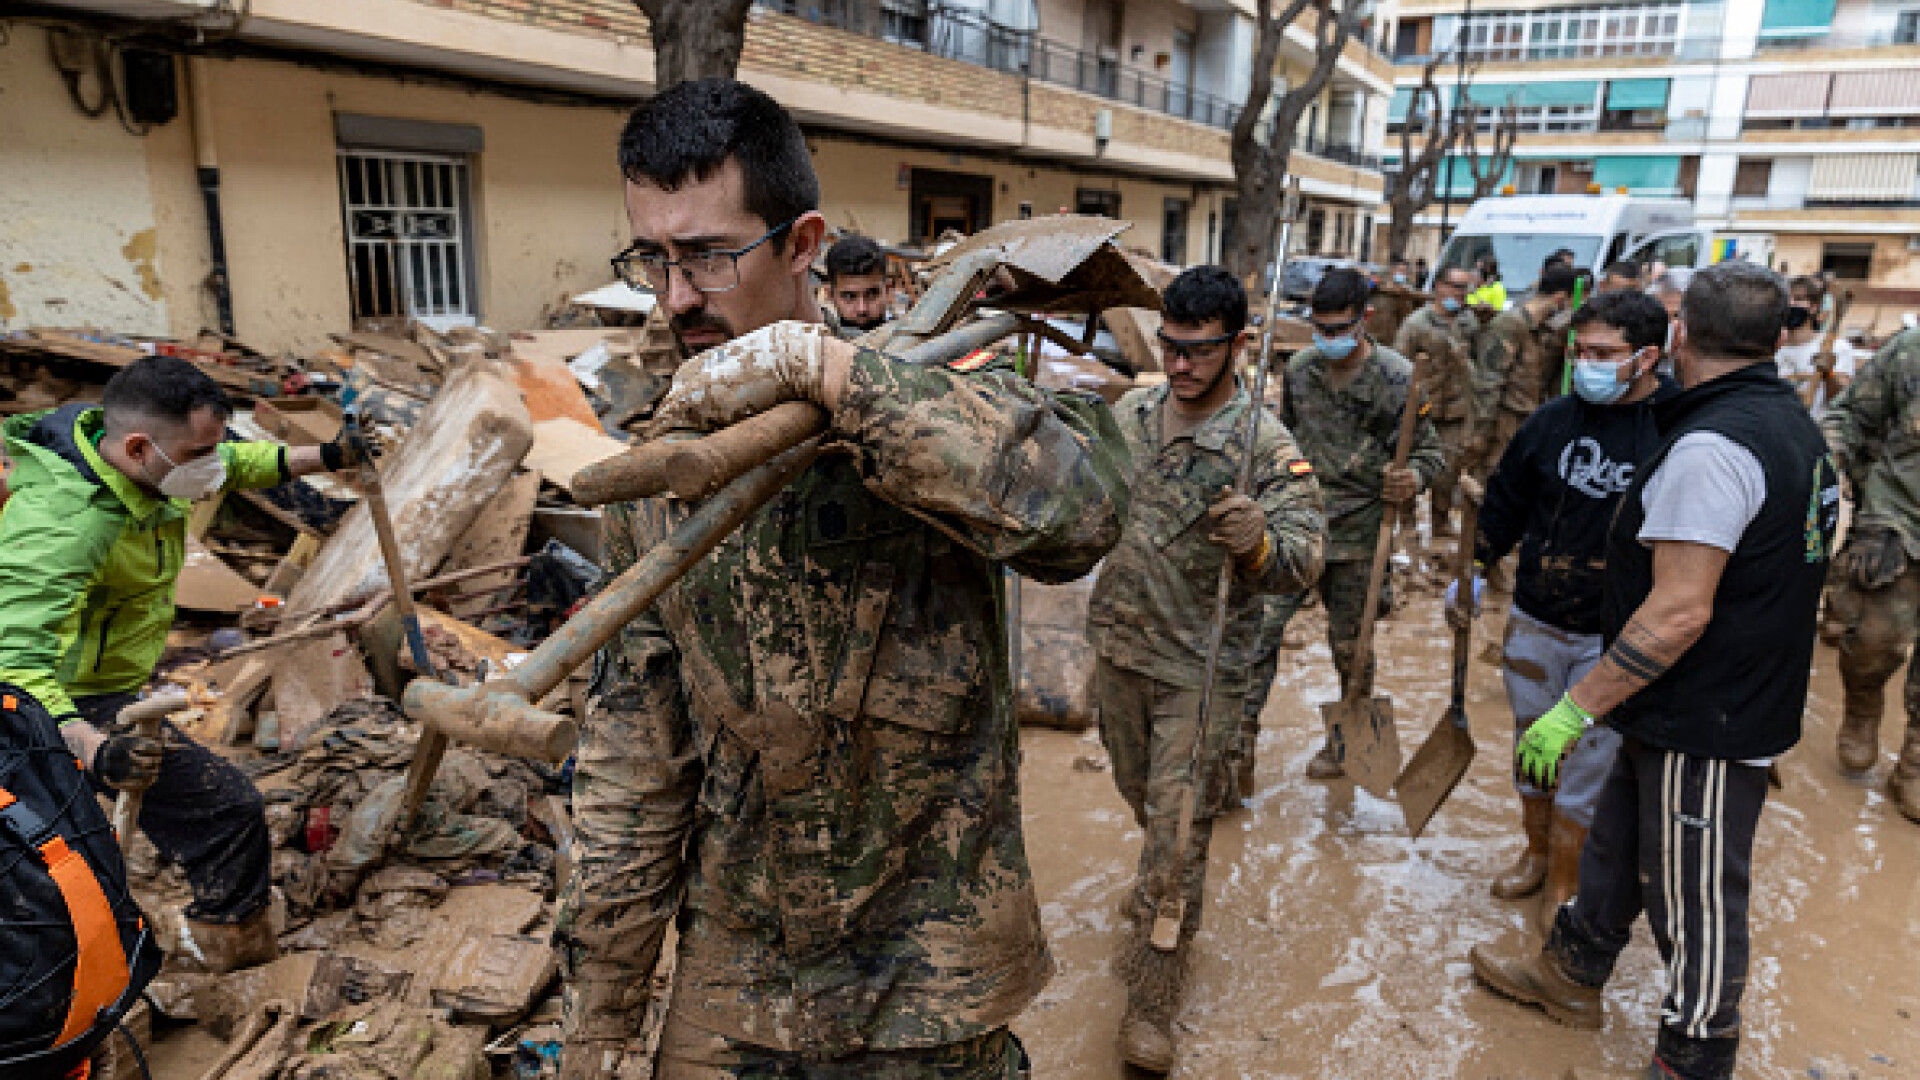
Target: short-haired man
{"x": 857, "y": 285}
{"x": 1563, "y": 256}
{"x": 1344, "y": 394}
{"x": 1517, "y": 352}
{"x": 1152, "y": 610}
{"x": 1442, "y": 332}
{"x": 1876, "y": 592}
{"x": 1715, "y": 563}
{"x": 804, "y": 755}
{"x": 92, "y": 542}
{"x": 1622, "y": 275}
{"x": 1552, "y": 495}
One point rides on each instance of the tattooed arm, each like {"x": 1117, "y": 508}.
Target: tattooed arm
{"x": 1667, "y": 623}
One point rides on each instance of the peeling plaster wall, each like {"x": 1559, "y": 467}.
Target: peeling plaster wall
{"x": 78, "y": 241}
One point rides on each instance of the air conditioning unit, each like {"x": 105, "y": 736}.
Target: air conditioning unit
{"x": 1582, "y": 167}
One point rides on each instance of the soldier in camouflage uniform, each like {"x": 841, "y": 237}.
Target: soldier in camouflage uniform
{"x": 1514, "y": 352}
{"x": 1443, "y": 332}
{"x": 1153, "y": 606}
{"x": 1344, "y": 394}
{"x": 805, "y": 753}
{"x": 1873, "y": 427}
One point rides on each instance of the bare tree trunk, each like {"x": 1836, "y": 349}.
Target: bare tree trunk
{"x": 695, "y": 39}
{"x": 1260, "y": 168}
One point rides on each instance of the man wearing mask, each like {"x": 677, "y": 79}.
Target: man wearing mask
{"x": 1552, "y": 495}
{"x": 1344, "y": 394}
{"x": 1799, "y": 358}
{"x": 1715, "y": 562}
{"x": 92, "y": 542}
{"x": 1442, "y": 332}
{"x": 857, "y": 285}
{"x": 1153, "y": 606}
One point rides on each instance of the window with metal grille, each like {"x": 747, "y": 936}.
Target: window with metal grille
{"x": 409, "y": 250}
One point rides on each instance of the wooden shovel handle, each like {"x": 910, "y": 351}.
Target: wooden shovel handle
{"x": 696, "y": 468}
{"x": 1383, "y": 544}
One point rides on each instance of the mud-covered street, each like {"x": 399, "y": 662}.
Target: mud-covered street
{"x": 1334, "y": 947}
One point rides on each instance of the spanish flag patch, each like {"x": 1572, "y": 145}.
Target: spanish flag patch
{"x": 1300, "y": 467}
{"x": 973, "y": 361}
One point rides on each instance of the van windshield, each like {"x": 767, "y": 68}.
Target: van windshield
{"x": 1519, "y": 254}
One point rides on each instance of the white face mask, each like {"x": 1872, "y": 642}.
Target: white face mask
{"x": 201, "y": 478}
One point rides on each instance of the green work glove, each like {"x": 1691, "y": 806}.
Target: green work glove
{"x": 1547, "y": 739}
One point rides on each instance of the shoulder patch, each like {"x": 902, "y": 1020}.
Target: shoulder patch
{"x": 973, "y": 361}
{"x": 1300, "y": 467}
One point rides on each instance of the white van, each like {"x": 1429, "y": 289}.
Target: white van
{"x": 1520, "y": 231}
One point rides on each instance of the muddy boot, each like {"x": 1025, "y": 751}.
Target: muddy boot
{"x": 1564, "y": 841}
{"x": 1530, "y": 975}
{"x": 1858, "y": 744}
{"x": 1650, "y": 1072}
{"x": 1324, "y": 765}
{"x": 224, "y": 947}
{"x": 1905, "y": 781}
{"x": 1146, "y": 1043}
{"x": 1524, "y": 877}
{"x": 1155, "y": 981}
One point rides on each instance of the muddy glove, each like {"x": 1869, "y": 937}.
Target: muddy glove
{"x": 786, "y": 361}
{"x": 1875, "y": 556}
{"x": 1547, "y": 741}
{"x": 128, "y": 762}
{"x": 1458, "y": 614}
{"x": 348, "y": 449}
{"x": 1399, "y": 484}
{"x": 1235, "y": 522}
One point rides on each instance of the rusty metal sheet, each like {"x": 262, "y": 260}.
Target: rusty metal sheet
{"x": 1048, "y": 248}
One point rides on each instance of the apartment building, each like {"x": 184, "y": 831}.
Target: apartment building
{"x": 1794, "y": 120}
{"x": 289, "y": 168}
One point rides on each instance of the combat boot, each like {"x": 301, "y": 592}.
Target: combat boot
{"x": 1146, "y": 1043}
{"x": 1905, "y": 781}
{"x": 1525, "y": 876}
{"x": 1565, "y": 839}
{"x": 1858, "y": 743}
{"x": 225, "y": 947}
{"x": 1325, "y": 766}
{"x": 1536, "y": 978}
{"x": 1650, "y": 1072}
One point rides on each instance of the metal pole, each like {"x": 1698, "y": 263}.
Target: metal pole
{"x": 1459, "y": 100}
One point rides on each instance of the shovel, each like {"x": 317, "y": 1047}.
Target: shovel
{"x": 1443, "y": 759}
{"x": 1361, "y": 732}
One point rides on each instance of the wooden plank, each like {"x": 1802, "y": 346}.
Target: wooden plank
{"x": 231, "y": 718}
{"x": 208, "y": 584}
{"x": 551, "y": 390}
{"x": 563, "y": 446}
{"x": 310, "y": 679}
{"x": 560, "y": 346}
{"x": 499, "y": 533}
{"x": 295, "y": 563}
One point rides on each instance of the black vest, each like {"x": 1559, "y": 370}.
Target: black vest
{"x": 1739, "y": 692}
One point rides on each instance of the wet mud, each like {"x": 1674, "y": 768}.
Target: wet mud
{"x": 1335, "y": 947}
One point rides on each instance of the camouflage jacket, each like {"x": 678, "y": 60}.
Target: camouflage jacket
{"x": 1349, "y": 435}
{"x": 1152, "y": 607}
{"x": 807, "y": 747}
{"x": 1874, "y": 430}
{"x": 1448, "y": 342}
{"x": 1513, "y": 355}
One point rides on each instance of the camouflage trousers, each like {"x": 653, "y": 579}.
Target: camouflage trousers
{"x": 1148, "y": 728}
{"x": 1453, "y": 441}
{"x": 1878, "y": 629}
{"x": 691, "y": 1053}
{"x": 1483, "y": 455}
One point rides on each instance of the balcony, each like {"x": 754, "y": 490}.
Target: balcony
{"x": 1344, "y": 153}
{"x": 971, "y": 38}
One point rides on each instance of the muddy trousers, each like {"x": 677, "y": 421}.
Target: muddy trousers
{"x": 1148, "y": 728}
{"x": 1878, "y": 630}
{"x": 204, "y": 814}
{"x": 1453, "y": 443}
{"x": 1673, "y": 837}
{"x": 690, "y": 1053}
{"x": 1278, "y": 611}
{"x": 1541, "y": 662}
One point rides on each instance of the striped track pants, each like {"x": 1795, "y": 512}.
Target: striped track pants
{"x": 1672, "y": 836}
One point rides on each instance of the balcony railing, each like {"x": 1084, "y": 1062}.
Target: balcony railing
{"x": 969, "y": 37}
{"x": 1344, "y": 153}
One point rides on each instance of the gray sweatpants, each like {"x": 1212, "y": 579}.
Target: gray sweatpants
{"x": 1542, "y": 661}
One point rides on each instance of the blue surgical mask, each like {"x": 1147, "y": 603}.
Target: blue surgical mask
{"x": 1399, "y": 279}
{"x": 1450, "y": 304}
{"x": 1336, "y": 348}
{"x": 1599, "y": 382}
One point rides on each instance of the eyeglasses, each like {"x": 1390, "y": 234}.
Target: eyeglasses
{"x": 1604, "y": 354}
{"x": 714, "y": 271}
{"x": 1192, "y": 348}
{"x": 1332, "y": 329}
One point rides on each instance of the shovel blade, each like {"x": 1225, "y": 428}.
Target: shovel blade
{"x": 1435, "y": 770}
{"x": 1365, "y": 743}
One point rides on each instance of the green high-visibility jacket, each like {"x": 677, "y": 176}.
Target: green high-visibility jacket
{"x": 88, "y": 559}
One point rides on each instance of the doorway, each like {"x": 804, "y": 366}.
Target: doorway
{"x": 949, "y": 200}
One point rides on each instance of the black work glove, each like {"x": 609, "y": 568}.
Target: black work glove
{"x": 128, "y": 761}
{"x": 1874, "y": 556}
{"x": 343, "y": 452}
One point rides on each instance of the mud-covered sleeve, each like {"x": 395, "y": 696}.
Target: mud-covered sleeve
{"x": 1857, "y": 420}
{"x": 1429, "y": 455}
{"x": 1289, "y": 496}
{"x": 1494, "y": 354}
{"x": 635, "y": 779}
{"x": 49, "y": 558}
{"x": 1016, "y": 473}
{"x": 255, "y": 465}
